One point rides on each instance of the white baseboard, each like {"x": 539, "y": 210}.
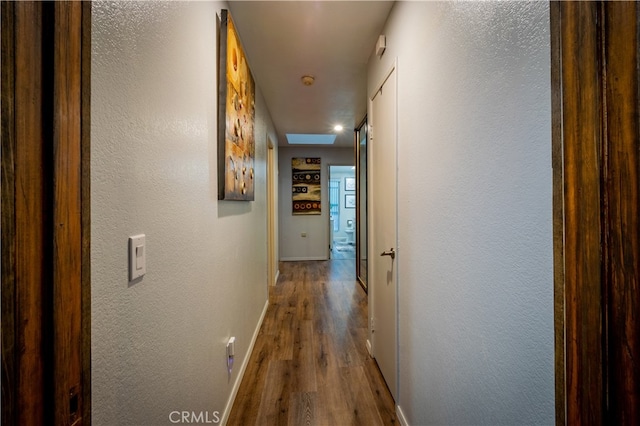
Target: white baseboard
{"x": 275, "y": 280}
{"x": 401, "y": 417}
{"x": 243, "y": 367}
{"x": 369, "y": 348}
{"x": 299, "y": 259}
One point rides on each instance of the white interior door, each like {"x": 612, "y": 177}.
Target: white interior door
{"x": 383, "y": 231}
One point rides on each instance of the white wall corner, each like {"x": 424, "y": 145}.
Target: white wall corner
{"x": 243, "y": 367}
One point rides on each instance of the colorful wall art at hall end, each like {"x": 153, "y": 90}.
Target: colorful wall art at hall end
{"x": 307, "y": 186}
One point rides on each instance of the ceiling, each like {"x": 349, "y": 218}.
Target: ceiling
{"x": 330, "y": 40}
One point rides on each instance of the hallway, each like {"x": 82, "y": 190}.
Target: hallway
{"x": 342, "y": 251}
{"x": 310, "y": 363}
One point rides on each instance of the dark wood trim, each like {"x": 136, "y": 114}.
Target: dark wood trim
{"x": 86, "y": 211}
{"x": 67, "y": 238}
{"x": 8, "y": 217}
{"x": 582, "y": 134}
{"x": 46, "y": 327}
{"x": 357, "y": 134}
{"x": 30, "y": 214}
{"x": 558, "y": 212}
{"x": 621, "y": 236}
{"x": 596, "y": 161}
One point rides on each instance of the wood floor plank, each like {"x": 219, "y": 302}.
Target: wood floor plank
{"x": 380, "y": 391}
{"x": 310, "y": 365}
{"x": 303, "y": 365}
{"x": 357, "y": 393}
{"x": 326, "y": 355}
{"x": 358, "y": 336}
{"x": 278, "y": 328}
{"x": 332, "y": 404}
{"x": 306, "y": 303}
{"x": 274, "y": 403}
{"x": 303, "y": 409}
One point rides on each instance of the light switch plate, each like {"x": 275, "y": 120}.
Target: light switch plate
{"x": 137, "y": 257}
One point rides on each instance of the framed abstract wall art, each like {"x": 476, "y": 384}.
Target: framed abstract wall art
{"x": 349, "y": 184}
{"x": 350, "y": 201}
{"x": 307, "y": 186}
{"x": 236, "y": 117}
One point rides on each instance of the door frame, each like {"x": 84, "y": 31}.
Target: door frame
{"x": 272, "y": 215}
{"x": 596, "y": 231}
{"x": 362, "y": 127}
{"x": 45, "y": 142}
{"x": 340, "y": 198}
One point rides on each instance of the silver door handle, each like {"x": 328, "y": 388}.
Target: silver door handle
{"x": 391, "y": 253}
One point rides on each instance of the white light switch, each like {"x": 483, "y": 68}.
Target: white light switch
{"x": 137, "y": 257}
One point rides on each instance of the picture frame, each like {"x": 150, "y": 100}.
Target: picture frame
{"x": 236, "y": 117}
{"x": 349, "y": 184}
{"x": 350, "y": 201}
{"x": 306, "y": 185}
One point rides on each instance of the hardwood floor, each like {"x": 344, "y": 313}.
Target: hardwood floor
{"x": 310, "y": 365}
{"x": 341, "y": 251}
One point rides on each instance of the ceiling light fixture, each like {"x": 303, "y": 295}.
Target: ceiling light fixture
{"x": 337, "y": 128}
{"x": 307, "y": 80}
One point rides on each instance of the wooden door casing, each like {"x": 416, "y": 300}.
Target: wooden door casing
{"x": 596, "y": 162}
{"x": 45, "y": 213}
{"x": 621, "y": 251}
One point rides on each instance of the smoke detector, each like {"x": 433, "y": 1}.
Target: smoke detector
{"x": 307, "y": 80}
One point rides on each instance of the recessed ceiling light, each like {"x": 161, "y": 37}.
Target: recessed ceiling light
{"x": 337, "y": 128}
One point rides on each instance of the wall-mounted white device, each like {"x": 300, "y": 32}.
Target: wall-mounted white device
{"x": 137, "y": 257}
{"x": 231, "y": 351}
{"x": 231, "y": 347}
{"x": 381, "y": 45}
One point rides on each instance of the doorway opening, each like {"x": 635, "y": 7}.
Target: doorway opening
{"x": 342, "y": 212}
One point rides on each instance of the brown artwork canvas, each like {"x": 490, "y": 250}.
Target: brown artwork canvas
{"x": 236, "y": 118}
{"x": 307, "y": 185}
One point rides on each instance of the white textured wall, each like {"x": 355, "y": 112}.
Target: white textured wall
{"x": 474, "y": 205}
{"x": 159, "y": 345}
{"x": 315, "y": 246}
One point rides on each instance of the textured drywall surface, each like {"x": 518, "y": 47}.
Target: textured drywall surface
{"x": 158, "y": 345}
{"x": 474, "y": 204}
{"x": 315, "y": 246}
